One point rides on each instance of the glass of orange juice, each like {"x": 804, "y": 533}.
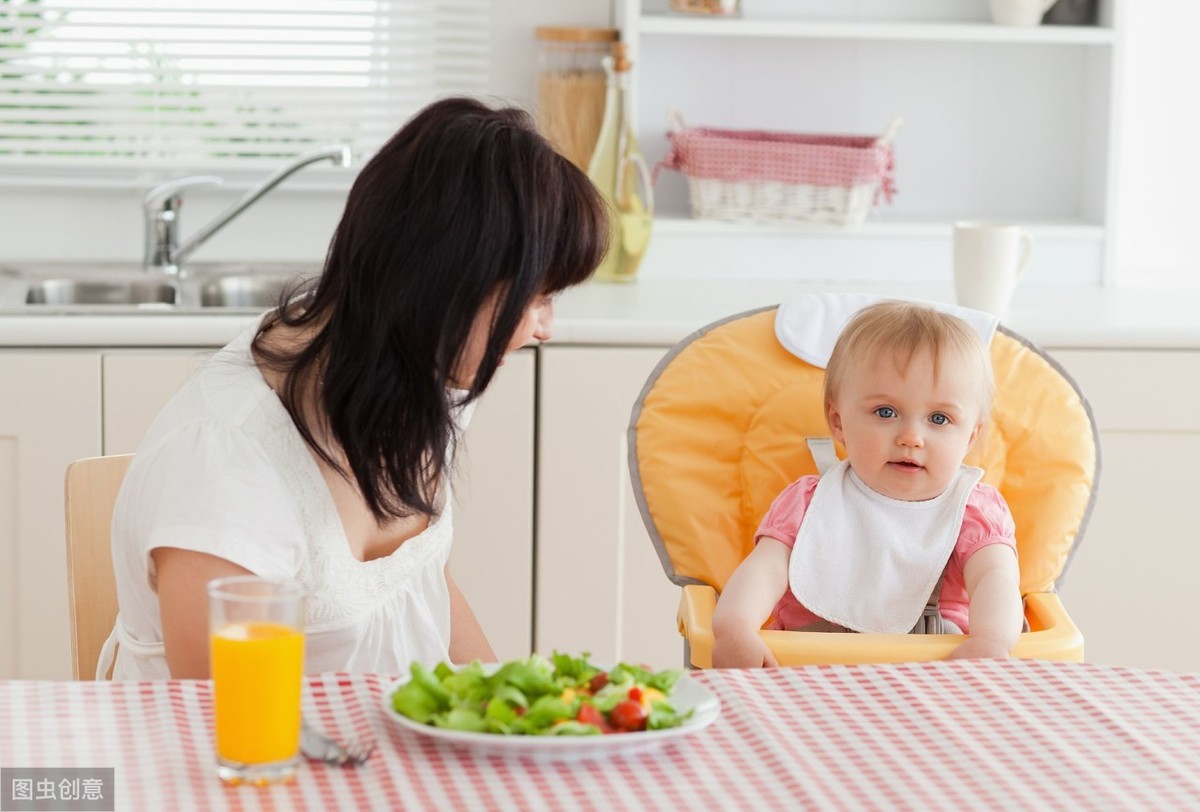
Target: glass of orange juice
{"x": 256, "y": 634}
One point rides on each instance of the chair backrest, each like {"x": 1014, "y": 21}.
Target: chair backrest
{"x": 719, "y": 430}
{"x": 91, "y": 491}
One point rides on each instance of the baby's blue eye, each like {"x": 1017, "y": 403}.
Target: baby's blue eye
{"x": 939, "y": 419}
{"x": 886, "y": 412}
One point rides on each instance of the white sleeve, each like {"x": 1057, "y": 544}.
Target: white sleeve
{"x": 212, "y": 488}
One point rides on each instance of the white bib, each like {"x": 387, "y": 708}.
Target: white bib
{"x": 869, "y": 562}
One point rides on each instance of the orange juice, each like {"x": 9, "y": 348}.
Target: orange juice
{"x": 257, "y": 669}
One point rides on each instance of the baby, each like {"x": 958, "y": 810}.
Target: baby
{"x": 900, "y": 529}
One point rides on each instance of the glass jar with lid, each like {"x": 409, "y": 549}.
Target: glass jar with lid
{"x": 571, "y": 87}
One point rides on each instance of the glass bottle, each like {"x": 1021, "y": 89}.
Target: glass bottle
{"x": 617, "y": 167}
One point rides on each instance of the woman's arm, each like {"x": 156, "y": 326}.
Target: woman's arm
{"x": 747, "y": 600}
{"x": 994, "y": 587}
{"x": 182, "y": 576}
{"x": 467, "y": 640}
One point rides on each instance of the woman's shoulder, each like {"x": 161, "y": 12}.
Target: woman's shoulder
{"x": 227, "y": 394}
{"x": 209, "y": 486}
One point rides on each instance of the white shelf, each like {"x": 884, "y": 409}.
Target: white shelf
{"x": 651, "y": 24}
{"x": 884, "y": 228}
{"x": 1022, "y": 132}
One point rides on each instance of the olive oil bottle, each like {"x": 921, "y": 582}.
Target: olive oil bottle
{"x": 619, "y": 172}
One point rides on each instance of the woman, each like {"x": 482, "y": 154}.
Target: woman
{"x": 318, "y": 444}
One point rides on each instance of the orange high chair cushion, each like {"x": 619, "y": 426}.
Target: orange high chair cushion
{"x": 720, "y": 429}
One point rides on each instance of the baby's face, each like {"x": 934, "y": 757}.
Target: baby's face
{"x": 906, "y": 433}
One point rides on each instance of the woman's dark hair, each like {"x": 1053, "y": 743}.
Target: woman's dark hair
{"x": 463, "y": 203}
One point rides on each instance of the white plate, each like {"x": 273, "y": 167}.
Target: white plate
{"x": 687, "y": 694}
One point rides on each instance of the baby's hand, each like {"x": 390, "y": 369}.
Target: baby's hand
{"x": 742, "y": 650}
{"x": 979, "y": 648}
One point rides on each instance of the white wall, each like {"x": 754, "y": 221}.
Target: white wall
{"x": 1158, "y": 206}
{"x": 294, "y": 224}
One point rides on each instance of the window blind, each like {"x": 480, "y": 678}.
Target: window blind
{"x": 133, "y": 88}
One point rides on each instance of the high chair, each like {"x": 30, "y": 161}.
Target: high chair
{"x": 719, "y": 430}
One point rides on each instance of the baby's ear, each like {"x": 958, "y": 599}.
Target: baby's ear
{"x": 975, "y": 432}
{"x": 834, "y": 419}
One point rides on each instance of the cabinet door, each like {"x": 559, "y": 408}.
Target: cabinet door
{"x": 137, "y": 384}
{"x": 600, "y": 585}
{"x": 1131, "y": 585}
{"x": 492, "y": 557}
{"x": 49, "y": 417}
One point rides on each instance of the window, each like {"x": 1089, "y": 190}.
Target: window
{"x": 133, "y": 89}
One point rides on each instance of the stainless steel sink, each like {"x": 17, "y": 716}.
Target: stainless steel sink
{"x": 109, "y": 291}
{"x": 119, "y": 288}
{"x": 244, "y": 290}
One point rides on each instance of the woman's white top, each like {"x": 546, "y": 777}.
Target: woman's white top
{"x": 224, "y": 471}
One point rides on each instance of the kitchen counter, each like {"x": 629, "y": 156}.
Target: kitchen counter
{"x": 660, "y": 312}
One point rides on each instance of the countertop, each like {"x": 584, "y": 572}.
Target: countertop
{"x": 653, "y": 312}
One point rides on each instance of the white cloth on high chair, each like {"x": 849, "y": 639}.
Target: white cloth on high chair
{"x": 808, "y": 325}
{"x": 869, "y": 562}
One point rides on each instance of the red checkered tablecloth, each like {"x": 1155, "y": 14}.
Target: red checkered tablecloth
{"x": 989, "y": 735}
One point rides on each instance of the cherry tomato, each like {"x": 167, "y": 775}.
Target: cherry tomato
{"x": 635, "y": 693}
{"x": 590, "y": 715}
{"x": 598, "y": 682}
{"x": 628, "y": 716}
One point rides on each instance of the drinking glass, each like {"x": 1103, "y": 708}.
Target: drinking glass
{"x": 256, "y": 633}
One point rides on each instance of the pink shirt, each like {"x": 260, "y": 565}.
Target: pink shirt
{"x": 986, "y": 520}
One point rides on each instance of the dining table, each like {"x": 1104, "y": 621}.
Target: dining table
{"x": 962, "y": 734}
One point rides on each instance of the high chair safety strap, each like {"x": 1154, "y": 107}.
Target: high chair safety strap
{"x": 823, "y": 453}
{"x": 931, "y": 620}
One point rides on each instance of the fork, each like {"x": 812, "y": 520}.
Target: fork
{"x": 317, "y": 746}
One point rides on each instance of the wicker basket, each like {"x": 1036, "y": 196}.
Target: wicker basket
{"x": 782, "y": 177}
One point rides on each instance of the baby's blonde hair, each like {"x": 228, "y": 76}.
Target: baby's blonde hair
{"x": 904, "y": 329}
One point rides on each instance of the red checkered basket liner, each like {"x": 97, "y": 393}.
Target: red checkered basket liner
{"x": 760, "y": 175}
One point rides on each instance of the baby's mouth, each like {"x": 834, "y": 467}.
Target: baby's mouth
{"x": 906, "y": 465}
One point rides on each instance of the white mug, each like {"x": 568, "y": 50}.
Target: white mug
{"x": 1020, "y": 12}
{"x": 989, "y": 260}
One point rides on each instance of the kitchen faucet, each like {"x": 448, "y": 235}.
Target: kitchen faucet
{"x": 162, "y": 203}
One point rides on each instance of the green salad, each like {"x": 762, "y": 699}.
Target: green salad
{"x": 559, "y": 696}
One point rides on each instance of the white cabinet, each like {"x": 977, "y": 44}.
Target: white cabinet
{"x": 600, "y": 585}
{"x": 137, "y": 384}
{"x": 1131, "y": 585}
{"x": 1000, "y": 122}
{"x": 49, "y": 417}
{"x": 492, "y": 558}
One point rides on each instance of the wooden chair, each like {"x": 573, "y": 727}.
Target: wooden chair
{"x": 91, "y": 492}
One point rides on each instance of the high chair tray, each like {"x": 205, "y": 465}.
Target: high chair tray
{"x": 1052, "y": 636}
